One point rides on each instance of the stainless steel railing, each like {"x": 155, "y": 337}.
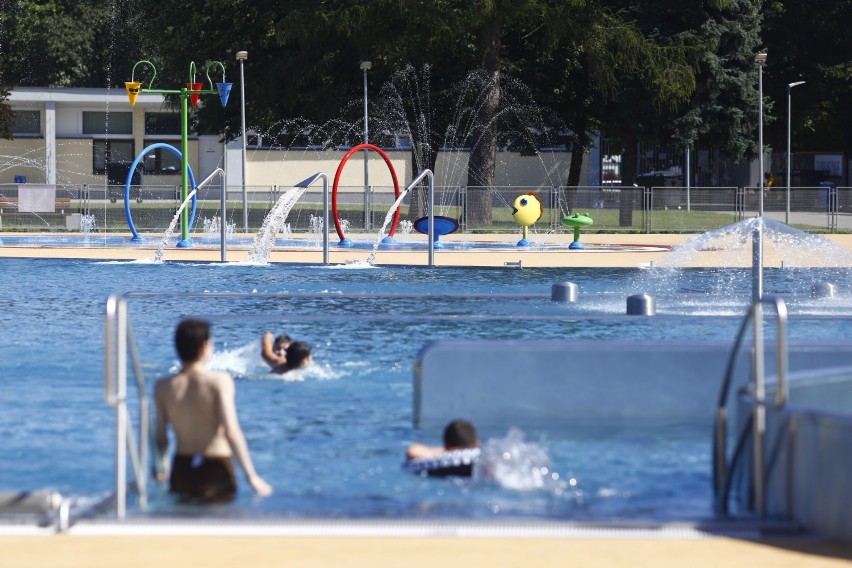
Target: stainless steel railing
{"x": 755, "y": 426}
{"x": 121, "y": 355}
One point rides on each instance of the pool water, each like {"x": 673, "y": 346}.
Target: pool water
{"x": 332, "y": 439}
{"x": 208, "y": 241}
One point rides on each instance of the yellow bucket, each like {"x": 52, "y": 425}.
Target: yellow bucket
{"x": 133, "y": 89}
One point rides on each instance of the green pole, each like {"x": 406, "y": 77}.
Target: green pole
{"x": 184, "y": 166}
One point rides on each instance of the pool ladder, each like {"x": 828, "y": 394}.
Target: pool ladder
{"x": 121, "y": 344}
{"x": 755, "y": 425}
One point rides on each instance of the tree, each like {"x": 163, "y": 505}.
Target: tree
{"x": 7, "y": 117}
{"x": 601, "y": 70}
{"x": 810, "y": 41}
{"x": 49, "y": 43}
{"x": 723, "y": 112}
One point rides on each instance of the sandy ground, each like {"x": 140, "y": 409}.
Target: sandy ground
{"x": 137, "y": 546}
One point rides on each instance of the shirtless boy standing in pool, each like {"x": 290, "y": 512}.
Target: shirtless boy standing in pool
{"x": 199, "y": 405}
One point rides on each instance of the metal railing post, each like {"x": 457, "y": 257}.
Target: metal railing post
{"x": 307, "y": 183}
{"x": 758, "y": 424}
{"x": 430, "y": 212}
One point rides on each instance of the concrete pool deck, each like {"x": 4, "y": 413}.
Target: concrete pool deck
{"x": 603, "y": 250}
{"x": 94, "y": 544}
{"x": 219, "y": 545}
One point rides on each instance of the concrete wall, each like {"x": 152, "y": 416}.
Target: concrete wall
{"x": 808, "y": 468}
{"x": 22, "y": 157}
{"x": 275, "y": 167}
{"x": 553, "y": 382}
{"x": 62, "y": 153}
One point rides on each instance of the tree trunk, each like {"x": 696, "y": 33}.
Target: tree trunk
{"x": 628, "y": 177}
{"x": 578, "y": 140}
{"x": 578, "y": 150}
{"x": 425, "y": 153}
{"x": 483, "y": 154}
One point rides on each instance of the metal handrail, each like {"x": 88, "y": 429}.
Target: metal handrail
{"x": 119, "y": 343}
{"x": 757, "y": 422}
{"x": 427, "y": 173}
{"x": 306, "y": 184}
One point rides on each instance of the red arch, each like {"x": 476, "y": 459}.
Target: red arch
{"x": 337, "y": 181}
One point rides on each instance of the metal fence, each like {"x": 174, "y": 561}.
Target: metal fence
{"x": 478, "y": 209}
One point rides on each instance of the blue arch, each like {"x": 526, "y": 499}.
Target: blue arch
{"x": 175, "y": 151}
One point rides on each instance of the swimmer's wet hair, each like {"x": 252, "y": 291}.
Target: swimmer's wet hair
{"x": 297, "y": 352}
{"x": 460, "y": 434}
{"x": 189, "y": 337}
{"x": 284, "y": 340}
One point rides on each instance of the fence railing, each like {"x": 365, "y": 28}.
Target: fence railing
{"x": 478, "y": 209}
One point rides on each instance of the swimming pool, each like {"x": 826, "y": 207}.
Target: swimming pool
{"x": 332, "y": 443}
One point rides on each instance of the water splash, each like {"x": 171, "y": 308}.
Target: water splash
{"x": 731, "y": 247}
{"x": 316, "y": 224}
{"x": 158, "y": 254}
{"x": 88, "y": 224}
{"x": 273, "y": 224}
{"x": 520, "y": 465}
{"x": 383, "y": 231}
{"x": 781, "y": 243}
{"x": 407, "y": 106}
{"x": 212, "y": 227}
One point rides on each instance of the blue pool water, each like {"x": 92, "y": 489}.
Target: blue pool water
{"x": 332, "y": 442}
{"x": 205, "y": 241}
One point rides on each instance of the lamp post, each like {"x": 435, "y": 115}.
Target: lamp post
{"x": 789, "y": 126}
{"x": 366, "y": 66}
{"x": 760, "y": 59}
{"x": 241, "y": 57}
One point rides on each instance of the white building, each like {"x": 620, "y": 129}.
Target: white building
{"x": 63, "y": 136}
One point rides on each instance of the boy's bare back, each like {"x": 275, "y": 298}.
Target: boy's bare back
{"x": 200, "y": 406}
{"x": 193, "y": 403}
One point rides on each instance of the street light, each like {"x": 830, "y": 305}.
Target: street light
{"x": 760, "y": 59}
{"x": 366, "y": 66}
{"x": 241, "y": 57}
{"x": 789, "y": 115}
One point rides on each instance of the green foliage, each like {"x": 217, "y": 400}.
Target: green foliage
{"x": 7, "y": 117}
{"x": 68, "y": 44}
{"x": 664, "y": 70}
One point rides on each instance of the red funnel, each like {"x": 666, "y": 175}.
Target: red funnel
{"x": 193, "y": 98}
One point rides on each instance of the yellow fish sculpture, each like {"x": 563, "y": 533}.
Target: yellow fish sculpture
{"x": 526, "y": 210}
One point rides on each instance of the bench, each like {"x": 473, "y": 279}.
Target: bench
{"x": 60, "y": 203}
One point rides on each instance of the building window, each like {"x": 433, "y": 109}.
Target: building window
{"x": 111, "y": 151}
{"x": 27, "y": 123}
{"x": 162, "y": 123}
{"x": 160, "y": 161}
{"x": 103, "y": 123}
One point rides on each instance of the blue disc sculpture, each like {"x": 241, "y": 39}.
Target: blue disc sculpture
{"x": 443, "y": 226}
{"x": 136, "y": 236}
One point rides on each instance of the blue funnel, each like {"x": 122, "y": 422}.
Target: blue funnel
{"x": 224, "y": 92}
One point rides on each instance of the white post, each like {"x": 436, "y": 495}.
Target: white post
{"x": 241, "y": 57}
{"x": 366, "y": 66}
{"x": 688, "y": 205}
{"x": 50, "y": 143}
{"x": 760, "y": 59}
{"x": 789, "y": 127}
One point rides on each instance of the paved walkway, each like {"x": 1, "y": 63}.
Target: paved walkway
{"x": 218, "y": 551}
{"x": 603, "y": 250}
